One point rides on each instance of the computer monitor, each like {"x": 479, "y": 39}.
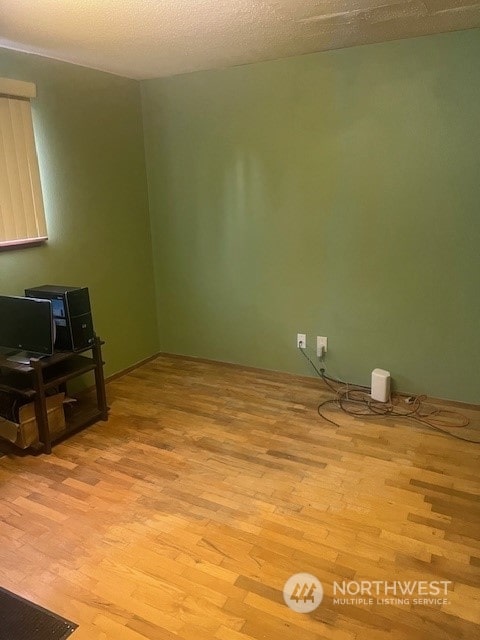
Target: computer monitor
{"x": 26, "y": 325}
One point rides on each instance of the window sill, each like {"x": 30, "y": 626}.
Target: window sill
{"x": 22, "y": 244}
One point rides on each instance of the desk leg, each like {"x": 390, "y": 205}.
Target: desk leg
{"x": 41, "y": 409}
{"x": 100, "y": 380}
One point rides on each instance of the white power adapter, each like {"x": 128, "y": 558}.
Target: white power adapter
{"x": 380, "y": 385}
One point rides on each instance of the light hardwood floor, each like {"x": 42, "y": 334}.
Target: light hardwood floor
{"x": 183, "y": 516}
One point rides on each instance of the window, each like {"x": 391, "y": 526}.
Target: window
{"x": 22, "y": 217}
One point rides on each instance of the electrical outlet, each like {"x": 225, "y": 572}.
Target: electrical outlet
{"x": 301, "y": 340}
{"x": 322, "y": 344}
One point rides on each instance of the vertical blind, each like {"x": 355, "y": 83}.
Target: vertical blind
{"x": 22, "y": 216}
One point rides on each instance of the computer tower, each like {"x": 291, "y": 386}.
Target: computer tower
{"x": 71, "y": 313}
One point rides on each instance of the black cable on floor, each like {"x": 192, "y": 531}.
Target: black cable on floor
{"x": 373, "y": 409}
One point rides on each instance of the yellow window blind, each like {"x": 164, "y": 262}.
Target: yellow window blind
{"x": 22, "y": 216}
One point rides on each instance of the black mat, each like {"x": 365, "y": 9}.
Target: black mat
{"x": 23, "y": 620}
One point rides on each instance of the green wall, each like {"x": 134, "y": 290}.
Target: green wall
{"x": 333, "y": 194}
{"x": 89, "y": 134}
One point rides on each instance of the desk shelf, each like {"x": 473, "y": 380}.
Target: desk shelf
{"x": 33, "y": 381}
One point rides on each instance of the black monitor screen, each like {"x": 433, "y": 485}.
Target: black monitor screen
{"x": 26, "y": 324}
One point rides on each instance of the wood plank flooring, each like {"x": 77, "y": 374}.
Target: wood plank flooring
{"x": 184, "y": 515}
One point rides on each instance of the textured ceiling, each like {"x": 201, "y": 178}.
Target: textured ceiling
{"x": 153, "y": 38}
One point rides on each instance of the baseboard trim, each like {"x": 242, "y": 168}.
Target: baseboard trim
{"x": 124, "y": 372}
{"x": 296, "y": 376}
{"x": 242, "y": 367}
{"x": 118, "y": 374}
{"x": 291, "y": 376}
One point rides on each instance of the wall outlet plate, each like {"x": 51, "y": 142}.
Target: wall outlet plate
{"x": 301, "y": 340}
{"x": 322, "y": 344}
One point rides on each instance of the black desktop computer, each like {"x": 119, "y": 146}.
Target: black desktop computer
{"x": 71, "y": 313}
